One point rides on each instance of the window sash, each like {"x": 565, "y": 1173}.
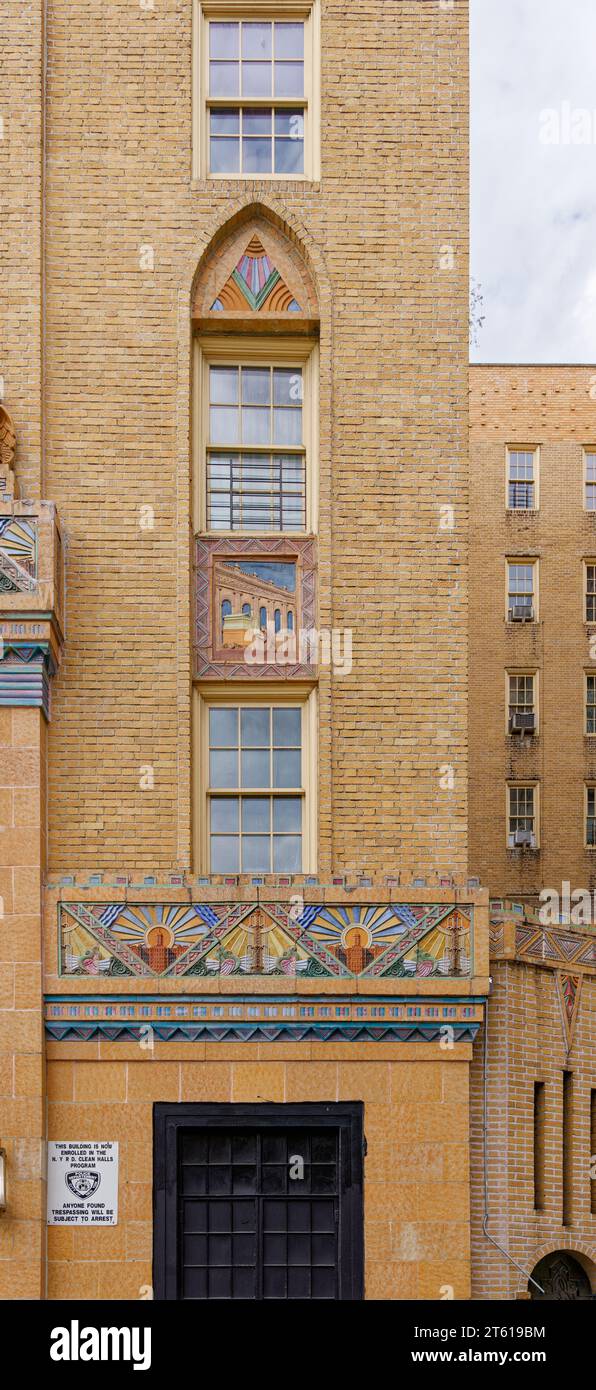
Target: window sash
{"x": 590, "y": 593}
{"x": 256, "y": 487}
{"x": 590, "y": 481}
{"x": 591, "y": 816}
{"x": 520, "y": 585}
{"x": 521, "y": 695}
{"x": 256, "y": 492}
{"x": 278, "y": 151}
{"x": 522, "y": 811}
{"x": 238, "y": 424}
{"x": 251, "y": 67}
{"x": 269, "y": 848}
{"x": 521, "y": 479}
{"x": 521, "y": 496}
{"x": 591, "y": 704}
{"x": 255, "y": 840}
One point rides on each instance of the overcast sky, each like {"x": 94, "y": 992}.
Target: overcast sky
{"x": 533, "y": 246}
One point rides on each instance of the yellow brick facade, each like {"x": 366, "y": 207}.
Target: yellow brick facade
{"x": 365, "y": 977}
{"x": 118, "y": 425}
{"x": 529, "y": 1043}
{"x": 553, "y": 409}
{"x": 549, "y": 409}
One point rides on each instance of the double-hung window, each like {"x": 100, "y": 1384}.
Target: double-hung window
{"x": 521, "y": 479}
{"x": 522, "y": 703}
{"x": 521, "y": 590}
{"x": 590, "y": 480}
{"x": 590, "y": 592}
{"x": 256, "y": 793}
{"x": 256, "y": 454}
{"x": 259, "y": 89}
{"x": 521, "y": 828}
{"x": 590, "y": 704}
{"x": 591, "y": 817}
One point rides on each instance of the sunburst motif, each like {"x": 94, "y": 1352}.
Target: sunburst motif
{"x": 18, "y": 553}
{"x": 185, "y": 923}
{"x": 257, "y": 282}
{"x": 371, "y": 940}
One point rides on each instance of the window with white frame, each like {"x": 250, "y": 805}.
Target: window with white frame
{"x": 591, "y": 817}
{"x": 521, "y": 830}
{"x": 521, "y": 479}
{"x": 590, "y": 480}
{"x": 590, "y": 592}
{"x": 522, "y": 708}
{"x": 590, "y": 704}
{"x": 256, "y": 452}
{"x": 256, "y": 792}
{"x": 260, "y": 78}
{"x": 521, "y": 590}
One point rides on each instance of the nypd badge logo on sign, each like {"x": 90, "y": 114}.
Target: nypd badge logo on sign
{"x": 82, "y": 1183}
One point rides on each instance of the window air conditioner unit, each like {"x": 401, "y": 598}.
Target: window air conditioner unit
{"x": 524, "y": 838}
{"x": 522, "y": 723}
{"x": 521, "y": 613}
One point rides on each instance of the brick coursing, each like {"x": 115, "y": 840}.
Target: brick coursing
{"x": 527, "y": 1044}
{"x": 551, "y": 407}
{"x": 393, "y": 425}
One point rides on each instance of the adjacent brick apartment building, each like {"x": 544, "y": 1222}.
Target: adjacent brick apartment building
{"x": 532, "y": 827}
{"x": 242, "y": 956}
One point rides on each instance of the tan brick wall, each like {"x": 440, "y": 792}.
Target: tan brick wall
{"x": 416, "y": 1170}
{"x": 22, "y": 1063}
{"x": 550, "y": 407}
{"x": 527, "y": 1044}
{"x": 20, "y": 233}
{"x": 385, "y": 237}
{"x": 393, "y": 424}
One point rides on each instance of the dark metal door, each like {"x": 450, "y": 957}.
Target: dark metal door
{"x": 258, "y": 1202}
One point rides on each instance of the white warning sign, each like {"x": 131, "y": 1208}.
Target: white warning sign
{"x": 82, "y": 1183}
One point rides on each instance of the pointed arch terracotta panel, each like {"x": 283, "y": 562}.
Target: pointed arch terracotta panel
{"x": 255, "y": 272}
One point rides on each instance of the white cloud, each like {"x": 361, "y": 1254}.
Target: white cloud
{"x": 533, "y": 230}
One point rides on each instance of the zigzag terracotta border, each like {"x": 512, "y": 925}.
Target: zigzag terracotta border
{"x": 269, "y": 1018}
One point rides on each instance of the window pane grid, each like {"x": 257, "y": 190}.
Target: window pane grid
{"x": 257, "y": 406}
{"x": 255, "y": 756}
{"x": 521, "y": 695}
{"x": 590, "y": 482}
{"x": 265, "y": 493}
{"x": 521, "y": 480}
{"x": 256, "y": 460}
{"x": 257, "y": 97}
{"x": 590, "y": 593}
{"x": 521, "y": 812}
{"x": 248, "y": 140}
{"x": 520, "y": 585}
{"x": 591, "y": 704}
{"x": 591, "y": 816}
{"x": 255, "y": 59}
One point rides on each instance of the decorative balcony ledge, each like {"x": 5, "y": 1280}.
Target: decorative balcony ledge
{"x": 31, "y": 602}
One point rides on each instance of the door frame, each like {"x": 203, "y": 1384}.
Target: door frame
{"x": 170, "y": 1119}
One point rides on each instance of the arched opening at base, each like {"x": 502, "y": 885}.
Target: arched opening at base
{"x": 561, "y": 1276}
